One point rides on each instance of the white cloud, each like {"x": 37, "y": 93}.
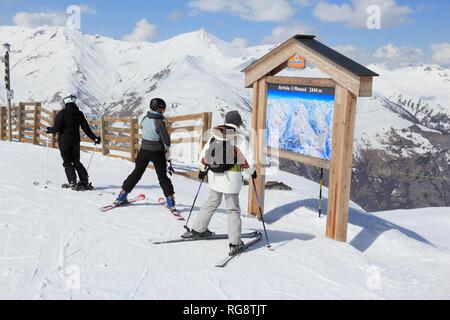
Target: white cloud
{"x": 255, "y": 10}
{"x": 38, "y": 19}
{"x": 399, "y": 56}
{"x": 87, "y": 9}
{"x": 441, "y": 53}
{"x": 355, "y": 14}
{"x": 143, "y": 31}
{"x": 240, "y": 42}
{"x": 389, "y": 54}
{"x": 283, "y": 32}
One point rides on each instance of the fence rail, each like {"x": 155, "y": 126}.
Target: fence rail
{"x": 121, "y": 134}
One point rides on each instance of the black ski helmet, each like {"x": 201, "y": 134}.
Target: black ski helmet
{"x": 157, "y": 103}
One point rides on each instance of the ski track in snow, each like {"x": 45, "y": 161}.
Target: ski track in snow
{"x": 45, "y": 234}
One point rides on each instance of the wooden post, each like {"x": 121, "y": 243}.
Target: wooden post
{"x": 341, "y": 164}
{"x": 20, "y": 110}
{"x": 103, "y": 132}
{"x": 133, "y": 123}
{"x": 54, "y": 113}
{"x": 2, "y": 120}
{"x": 258, "y": 145}
{"x": 35, "y": 123}
{"x": 206, "y": 126}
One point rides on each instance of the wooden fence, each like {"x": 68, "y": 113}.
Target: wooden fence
{"x": 120, "y": 136}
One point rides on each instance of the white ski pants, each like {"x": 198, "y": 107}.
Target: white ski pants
{"x": 233, "y": 210}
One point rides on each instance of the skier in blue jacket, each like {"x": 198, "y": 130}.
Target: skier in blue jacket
{"x": 154, "y": 147}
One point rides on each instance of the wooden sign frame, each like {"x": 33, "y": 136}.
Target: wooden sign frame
{"x": 350, "y": 80}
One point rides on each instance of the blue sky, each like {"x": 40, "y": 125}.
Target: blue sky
{"x": 413, "y": 24}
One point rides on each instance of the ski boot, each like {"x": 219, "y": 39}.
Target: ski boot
{"x": 70, "y": 185}
{"x": 83, "y": 186}
{"x": 170, "y": 202}
{"x": 236, "y": 249}
{"x": 194, "y": 234}
{"x": 121, "y": 199}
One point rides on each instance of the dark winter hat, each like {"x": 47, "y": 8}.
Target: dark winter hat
{"x": 157, "y": 103}
{"x": 233, "y": 117}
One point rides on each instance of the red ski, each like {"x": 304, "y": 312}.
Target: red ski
{"x": 140, "y": 197}
{"x": 175, "y": 213}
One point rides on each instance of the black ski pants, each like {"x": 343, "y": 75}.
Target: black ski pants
{"x": 71, "y": 157}
{"x": 158, "y": 158}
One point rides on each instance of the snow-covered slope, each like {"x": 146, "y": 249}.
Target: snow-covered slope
{"x": 55, "y": 244}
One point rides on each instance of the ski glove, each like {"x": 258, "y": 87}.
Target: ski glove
{"x": 98, "y": 140}
{"x": 202, "y": 174}
{"x": 255, "y": 175}
{"x": 170, "y": 168}
{"x": 49, "y": 130}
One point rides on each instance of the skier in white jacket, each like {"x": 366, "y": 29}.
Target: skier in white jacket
{"x": 223, "y": 159}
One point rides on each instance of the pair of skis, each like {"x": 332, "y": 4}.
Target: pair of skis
{"x": 110, "y": 207}
{"x": 255, "y": 236}
{"x": 142, "y": 197}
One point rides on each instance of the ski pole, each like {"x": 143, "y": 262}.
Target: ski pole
{"x": 320, "y": 195}
{"x": 193, "y": 205}
{"x": 269, "y": 246}
{"x": 92, "y": 157}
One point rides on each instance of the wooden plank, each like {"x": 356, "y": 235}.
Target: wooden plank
{"x": 315, "y": 82}
{"x": 254, "y": 145}
{"x": 120, "y": 130}
{"x": 117, "y": 148}
{"x": 103, "y": 133}
{"x": 19, "y": 120}
{"x": 36, "y": 123}
{"x": 113, "y": 119}
{"x": 86, "y": 139}
{"x": 87, "y": 148}
{"x": 48, "y": 120}
{"x": 26, "y": 140}
{"x": 29, "y": 104}
{"x": 341, "y": 164}
{"x": 269, "y": 62}
{"x": 53, "y": 141}
{"x": 27, "y": 126}
{"x": 366, "y": 89}
{"x": 27, "y": 118}
{"x": 47, "y": 112}
{"x": 133, "y": 139}
{"x": 312, "y": 161}
{"x": 259, "y": 153}
{"x": 117, "y": 139}
{"x": 195, "y": 116}
{"x": 184, "y": 129}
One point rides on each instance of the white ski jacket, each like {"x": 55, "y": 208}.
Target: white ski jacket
{"x": 231, "y": 181}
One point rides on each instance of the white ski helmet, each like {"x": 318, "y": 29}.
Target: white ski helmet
{"x": 70, "y": 99}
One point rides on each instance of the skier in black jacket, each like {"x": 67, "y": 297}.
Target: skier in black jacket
{"x": 67, "y": 125}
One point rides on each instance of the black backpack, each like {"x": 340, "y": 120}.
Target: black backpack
{"x": 221, "y": 156}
